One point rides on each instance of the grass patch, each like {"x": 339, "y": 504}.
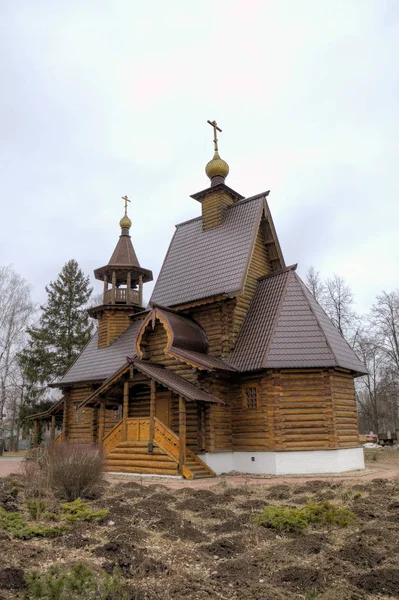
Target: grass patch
{"x": 76, "y": 583}
{"x": 294, "y": 520}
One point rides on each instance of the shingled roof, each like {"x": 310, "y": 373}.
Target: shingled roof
{"x": 286, "y": 328}
{"x": 201, "y": 264}
{"x": 97, "y": 364}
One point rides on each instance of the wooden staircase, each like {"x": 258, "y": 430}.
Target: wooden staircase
{"x": 132, "y": 455}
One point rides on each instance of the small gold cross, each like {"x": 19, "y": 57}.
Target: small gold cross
{"x": 215, "y": 129}
{"x": 126, "y": 199}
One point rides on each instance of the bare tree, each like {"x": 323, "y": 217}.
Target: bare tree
{"x": 16, "y": 310}
{"x": 315, "y": 284}
{"x": 385, "y": 322}
{"x": 338, "y": 303}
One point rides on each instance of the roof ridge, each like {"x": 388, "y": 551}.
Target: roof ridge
{"x": 279, "y": 272}
{"x": 277, "y": 316}
{"x": 301, "y": 285}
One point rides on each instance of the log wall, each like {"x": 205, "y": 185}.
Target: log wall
{"x": 111, "y": 324}
{"x": 214, "y": 207}
{"x": 345, "y": 411}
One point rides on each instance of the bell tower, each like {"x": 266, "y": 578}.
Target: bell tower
{"x": 123, "y": 279}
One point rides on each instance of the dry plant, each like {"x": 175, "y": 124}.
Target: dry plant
{"x": 75, "y": 470}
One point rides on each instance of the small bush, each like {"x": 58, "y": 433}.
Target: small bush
{"x": 36, "y": 508}
{"x": 74, "y": 584}
{"x": 293, "y": 520}
{"x": 80, "y": 511}
{"x": 74, "y": 470}
{"x": 15, "y": 524}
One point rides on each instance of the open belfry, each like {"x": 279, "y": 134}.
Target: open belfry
{"x": 233, "y": 366}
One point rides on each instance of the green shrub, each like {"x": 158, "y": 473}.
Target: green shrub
{"x": 77, "y": 583}
{"x": 80, "y": 511}
{"x": 36, "y": 508}
{"x": 292, "y": 520}
{"x": 16, "y": 525}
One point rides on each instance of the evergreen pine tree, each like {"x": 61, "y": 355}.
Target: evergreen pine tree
{"x": 63, "y": 330}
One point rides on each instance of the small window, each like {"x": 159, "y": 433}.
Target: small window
{"x": 118, "y": 413}
{"x": 79, "y": 415}
{"x": 250, "y": 397}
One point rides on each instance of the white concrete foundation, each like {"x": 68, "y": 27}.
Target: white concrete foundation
{"x": 286, "y": 463}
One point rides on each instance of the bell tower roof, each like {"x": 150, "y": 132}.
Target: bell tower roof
{"x": 124, "y": 259}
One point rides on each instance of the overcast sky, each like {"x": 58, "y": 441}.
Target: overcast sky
{"x": 100, "y": 99}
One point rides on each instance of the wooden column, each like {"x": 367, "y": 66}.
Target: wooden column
{"x": 113, "y": 291}
{"x": 105, "y": 288}
{"x": 101, "y": 425}
{"x": 128, "y": 288}
{"x": 35, "y": 433}
{"x": 140, "y": 290}
{"x": 182, "y": 433}
{"x": 152, "y": 409}
{"x": 65, "y": 421}
{"x": 125, "y": 410}
{"x": 52, "y": 430}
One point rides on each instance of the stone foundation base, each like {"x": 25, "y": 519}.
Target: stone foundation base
{"x": 286, "y": 463}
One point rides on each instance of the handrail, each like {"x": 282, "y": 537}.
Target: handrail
{"x": 168, "y": 441}
{"x": 113, "y": 438}
{"x": 58, "y": 439}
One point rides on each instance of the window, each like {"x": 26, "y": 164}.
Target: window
{"x": 118, "y": 413}
{"x": 79, "y": 415}
{"x": 250, "y": 397}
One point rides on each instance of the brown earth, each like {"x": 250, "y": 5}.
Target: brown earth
{"x": 186, "y": 543}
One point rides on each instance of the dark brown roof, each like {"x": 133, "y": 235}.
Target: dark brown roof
{"x": 97, "y": 364}
{"x": 286, "y": 328}
{"x": 185, "y": 333}
{"x": 174, "y": 382}
{"x": 123, "y": 260}
{"x": 205, "y": 361}
{"x": 200, "y": 264}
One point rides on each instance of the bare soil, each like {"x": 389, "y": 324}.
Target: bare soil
{"x": 204, "y": 544}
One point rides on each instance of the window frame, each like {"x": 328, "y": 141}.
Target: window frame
{"x": 244, "y": 396}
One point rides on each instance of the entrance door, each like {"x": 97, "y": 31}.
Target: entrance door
{"x": 162, "y": 408}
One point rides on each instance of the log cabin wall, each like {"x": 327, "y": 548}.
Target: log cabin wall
{"x": 345, "y": 411}
{"x": 216, "y": 320}
{"x": 250, "y": 424}
{"x": 259, "y": 266}
{"x": 311, "y": 409}
{"x": 214, "y": 207}
{"x": 111, "y": 324}
{"x": 79, "y": 423}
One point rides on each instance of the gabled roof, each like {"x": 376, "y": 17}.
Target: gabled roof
{"x": 123, "y": 260}
{"x": 286, "y": 328}
{"x": 200, "y": 264}
{"x": 174, "y": 382}
{"x": 97, "y": 364}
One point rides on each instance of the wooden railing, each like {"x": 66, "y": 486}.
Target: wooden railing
{"x": 122, "y": 296}
{"x": 138, "y": 430}
{"x": 113, "y": 438}
{"x": 58, "y": 439}
{"x": 169, "y": 443}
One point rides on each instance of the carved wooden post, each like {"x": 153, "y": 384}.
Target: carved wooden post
{"x": 105, "y": 288}
{"x": 140, "y": 290}
{"x": 35, "y": 434}
{"x": 113, "y": 291}
{"x": 128, "y": 287}
{"x": 101, "y": 425}
{"x": 152, "y": 409}
{"x": 52, "y": 430}
{"x": 125, "y": 410}
{"x": 65, "y": 421}
{"x": 182, "y": 434}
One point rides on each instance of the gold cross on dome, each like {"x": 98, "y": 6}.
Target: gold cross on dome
{"x": 215, "y": 135}
{"x": 126, "y": 199}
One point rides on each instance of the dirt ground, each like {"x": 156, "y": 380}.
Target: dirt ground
{"x": 198, "y": 544}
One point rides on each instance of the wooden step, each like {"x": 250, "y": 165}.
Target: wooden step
{"x": 132, "y": 462}
{"x": 137, "y": 456}
{"x": 140, "y": 451}
{"x": 139, "y": 470}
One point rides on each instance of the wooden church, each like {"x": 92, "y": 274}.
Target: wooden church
{"x": 233, "y": 366}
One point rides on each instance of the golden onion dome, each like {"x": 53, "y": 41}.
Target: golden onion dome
{"x": 125, "y": 222}
{"x": 217, "y": 167}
